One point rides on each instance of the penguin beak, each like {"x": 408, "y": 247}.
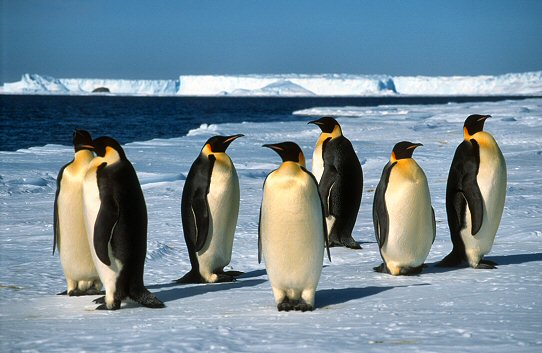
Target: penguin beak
{"x": 231, "y": 138}
{"x": 273, "y": 147}
{"x": 414, "y": 145}
{"x": 484, "y": 117}
{"x": 315, "y": 122}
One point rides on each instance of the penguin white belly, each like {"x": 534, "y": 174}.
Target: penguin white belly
{"x": 491, "y": 180}
{"x": 91, "y": 206}
{"x": 75, "y": 255}
{"x": 292, "y": 236}
{"x": 223, "y": 200}
{"x": 410, "y": 235}
{"x": 317, "y": 162}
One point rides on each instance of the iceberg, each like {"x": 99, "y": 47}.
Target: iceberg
{"x": 287, "y": 85}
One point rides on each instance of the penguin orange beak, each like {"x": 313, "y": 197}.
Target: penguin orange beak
{"x": 273, "y": 147}
{"x": 231, "y": 138}
{"x": 484, "y": 117}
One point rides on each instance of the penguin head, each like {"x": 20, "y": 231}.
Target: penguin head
{"x": 82, "y": 140}
{"x": 217, "y": 144}
{"x": 288, "y": 151}
{"x": 403, "y": 149}
{"x": 105, "y": 145}
{"x": 328, "y": 125}
{"x": 473, "y": 124}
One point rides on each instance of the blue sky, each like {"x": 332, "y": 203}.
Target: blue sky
{"x": 163, "y": 39}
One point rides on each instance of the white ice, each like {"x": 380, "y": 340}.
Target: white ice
{"x": 357, "y": 310}
{"x": 527, "y": 83}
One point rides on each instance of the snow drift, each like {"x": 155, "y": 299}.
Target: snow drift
{"x": 289, "y": 85}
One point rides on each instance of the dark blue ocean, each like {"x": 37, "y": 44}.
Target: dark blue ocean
{"x": 35, "y": 120}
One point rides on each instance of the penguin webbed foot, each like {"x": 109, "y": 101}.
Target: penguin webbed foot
{"x": 486, "y": 265}
{"x": 63, "y": 293}
{"x": 347, "y": 242}
{"x": 382, "y": 268}
{"x": 234, "y": 273}
{"x": 224, "y": 277}
{"x": 116, "y": 306}
{"x": 100, "y": 300}
{"x": 79, "y": 293}
{"x": 303, "y": 306}
{"x": 190, "y": 277}
{"x": 285, "y": 305}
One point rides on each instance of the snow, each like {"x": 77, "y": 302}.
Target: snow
{"x": 357, "y": 310}
{"x": 527, "y": 83}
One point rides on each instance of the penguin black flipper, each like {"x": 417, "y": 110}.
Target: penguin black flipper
{"x": 380, "y": 211}
{"x": 434, "y": 225}
{"x": 324, "y": 224}
{"x": 462, "y": 180}
{"x": 259, "y": 228}
{"x": 56, "y": 236}
{"x": 195, "y": 207}
{"x": 106, "y": 220}
{"x": 461, "y": 190}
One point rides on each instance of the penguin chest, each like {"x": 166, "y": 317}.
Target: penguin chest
{"x": 491, "y": 180}
{"x": 75, "y": 255}
{"x": 408, "y": 203}
{"x": 223, "y": 201}
{"x": 291, "y": 228}
{"x": 318, "y": 161}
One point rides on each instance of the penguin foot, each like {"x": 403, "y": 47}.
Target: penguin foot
{"x": 346, "y": 242}
{"x": 100, "y": 300}
{"x": 303, "y": 306}
{"x": 286, "y": 305}
{"x": 224, "y": 277}
{"x": 234, "y": 273}
{"x": 486, "y": 265}
{"x": 116, "y": 306}
{"x": 63, "y": 293}
{"x": 79, "y": 293}
{"x": 381, "y": 268}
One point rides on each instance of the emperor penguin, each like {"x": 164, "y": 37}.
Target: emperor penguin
{"x": 292, "y": 230}
{"x": 209, "y": 210}
{"x": 475, "y": 195}
{"x": 403, "y": 217}
{"x": 116, "y": 223}
{"x": 70, "y": 235}
{"x": 341, "y": 181}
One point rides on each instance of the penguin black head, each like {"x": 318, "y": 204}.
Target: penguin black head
{"x": 82, "y": 140}
{"x": 404, "y": 149}
{"x": 475, "y": 123}
{"x": 288, "y": 151}
{"x": 327, "y": 124}
{"x": 220, "y": 143}
{"x": 102, "y": 143}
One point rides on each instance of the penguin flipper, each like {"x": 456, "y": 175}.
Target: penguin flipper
{"x": 56, "y": 230}
{"x": 380, "y": 211}
{"x": 326, "y": 184}
{"x": 462, "y": 180}
{"x": 434, "y": 225}
{"x": 260, "y": 237}
{"x": 200, "y": 211}
{"x": 104, "y": 227}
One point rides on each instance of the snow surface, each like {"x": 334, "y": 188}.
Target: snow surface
{"x": 357, "y": 310}
{"x": 528, "y": 83}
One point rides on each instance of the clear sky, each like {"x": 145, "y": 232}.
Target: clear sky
{"x": 162, "y": 39}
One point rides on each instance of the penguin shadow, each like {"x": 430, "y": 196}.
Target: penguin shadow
{"x": 181, "y": 292}
{"x": 515, "y": 259}
{"x": 333, "y": 296}
{"x": 500, "y": 260}
{"x": 253, "y": 273}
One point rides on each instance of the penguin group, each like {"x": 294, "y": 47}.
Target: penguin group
{"x": 100, "y": 216}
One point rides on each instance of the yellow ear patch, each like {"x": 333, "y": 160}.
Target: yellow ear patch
{"x": 301, "y": 159}
{"x": 207, "y": 150}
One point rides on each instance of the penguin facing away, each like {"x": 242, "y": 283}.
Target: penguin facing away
{"x": 209, "y": 210}
{"x": 475, "y": 195}
{"x": 116, "y": 223}
{"x": 403, "y": 218}
{"x": 292, "y": 230}
{"x": 70, "y": 236}
{"x": 341, "y": 184}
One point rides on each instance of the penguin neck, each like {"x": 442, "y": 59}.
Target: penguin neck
{"x": 337, "y": 131}
{"x": 289, "y": 167}
{"x": 111, "y": 156}
{"x": 484, "y": 139}
{"x": 83, "y": 156}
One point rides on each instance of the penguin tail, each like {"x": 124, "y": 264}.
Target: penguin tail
{"x": 146, "y": 298}
{"x": 190, "y": 277}
{"x": 453, "y": 259}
